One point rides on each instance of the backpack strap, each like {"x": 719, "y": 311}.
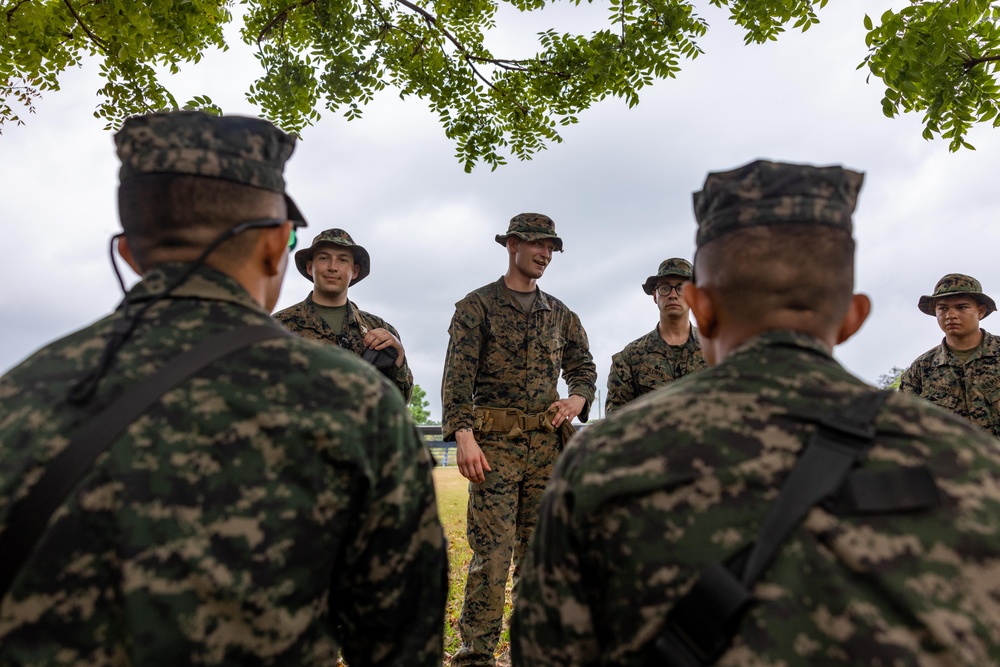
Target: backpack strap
{"x": 701, "y": 624}
{"x": 27, "y": 518}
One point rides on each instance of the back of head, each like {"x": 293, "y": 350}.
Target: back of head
{"x": 775, "y": 244}
{"x": 187, "y": 177}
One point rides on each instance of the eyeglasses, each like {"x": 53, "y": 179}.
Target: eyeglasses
{"x": 664, "y": 289}
{"x": 293, "y": 238}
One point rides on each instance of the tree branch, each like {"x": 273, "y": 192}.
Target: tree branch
{"x": 100, "y": 44}
{"x": 969, "y": 64}
{"x": 432, "y": 21}
{"x": 279, "y": 17}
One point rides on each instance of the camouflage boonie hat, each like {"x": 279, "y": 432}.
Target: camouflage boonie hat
{"x": 334, "y": 237}
{"x": 769, "y": 193}
{"x": 954, "y": 284}
{"x": 244, "y": 150}
{"x": 675, "y": 266}
{"x": 531, "y": 227}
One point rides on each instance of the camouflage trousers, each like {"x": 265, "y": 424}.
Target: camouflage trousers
{"x": 501, "y": 517}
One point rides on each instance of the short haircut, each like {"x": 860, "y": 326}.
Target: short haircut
{"x": 179, "y": 212}
{"x": 768, "y": 274}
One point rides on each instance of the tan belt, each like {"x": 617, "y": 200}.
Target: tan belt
{"x": 511, "y": 421}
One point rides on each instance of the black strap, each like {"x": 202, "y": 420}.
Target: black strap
{"x": 28, "y": 517}
{"x": 701, "y": 625}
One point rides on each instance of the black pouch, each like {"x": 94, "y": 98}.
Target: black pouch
{"x": 383, "y": 359}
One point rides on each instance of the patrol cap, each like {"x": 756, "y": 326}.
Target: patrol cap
{"x": 531, "y": 227}
{"x": 336, "y": 237}
{"x": 244, "y": 150}
{"x": 770, "y": 193}
{"x": 954, "y": 284}
{"x": 675, "y": 266}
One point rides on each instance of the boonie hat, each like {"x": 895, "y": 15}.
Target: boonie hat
{"x": 769, "y": 193}
{"x": 244, "y": 150}
{"x": 334, "y": 237}
{"x": 954, "y": 284}
{"x": 675, "y": 266}
{"x": 531, "y": 227}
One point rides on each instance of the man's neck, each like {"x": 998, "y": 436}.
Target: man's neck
{"x": 966, "y": 342}
{"x": 518, "y": 282}
{"x": 331, "y": 301}
{"x": 674, "y": 330}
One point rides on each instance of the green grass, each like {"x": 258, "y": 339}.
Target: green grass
{"x": 452, "y": 496}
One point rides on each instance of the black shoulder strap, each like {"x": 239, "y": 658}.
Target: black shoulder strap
{"x": 701, "y": 625}
{"x": 28, "y": 517}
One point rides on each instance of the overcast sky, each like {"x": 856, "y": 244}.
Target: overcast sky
{"x": 619, "y": 189}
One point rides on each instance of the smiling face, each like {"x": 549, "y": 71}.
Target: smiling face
{"x": 332, "y": 269}
{"x": 958, "y": 316}
{"x": 531, "y": 257}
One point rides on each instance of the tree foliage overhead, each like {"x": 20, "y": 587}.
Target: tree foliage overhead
{"x": 935, "y": 56}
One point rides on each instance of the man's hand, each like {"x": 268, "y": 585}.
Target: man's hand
{"x": 567, "y": 409}
{"x": 379, "y": 339}
{"x": 472, "y": 462}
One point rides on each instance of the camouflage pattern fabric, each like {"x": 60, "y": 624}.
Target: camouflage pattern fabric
{"x": 304, "y": 320}
{"x": 499, "y": 356}
{"x": 245, "y": 150}
{"x": 770, "y": 193}
{"x": 275, "y": 509}
{"x": 970, "y": 390}
{"x": 648, "y": 363}
{"x": 641, "y": 502}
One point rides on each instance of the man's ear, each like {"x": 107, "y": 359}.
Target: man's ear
{"x": 857, "y": 313}
{"x": 272, "y": 246}
{"x": 701, "y": 304}
{"x": 357, "y": 270}
{"x": 125, "y": 250}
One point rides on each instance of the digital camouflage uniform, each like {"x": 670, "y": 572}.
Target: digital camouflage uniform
{"x": 304, "y": 320}
{"x": 970, "y": 389}
{"x": 499, "y": 356}
{"x": 273, "y": 507}
{"x": 642, "y": 502}
{"x": 649, "y": 363}
{"x": 639, "y": 504}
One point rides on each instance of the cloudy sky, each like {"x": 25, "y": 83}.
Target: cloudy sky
{"x": 619, "y": 189}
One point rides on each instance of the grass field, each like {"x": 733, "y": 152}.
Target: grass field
{"x": 452, "y": 495}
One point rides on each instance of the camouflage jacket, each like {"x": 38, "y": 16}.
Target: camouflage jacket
{"x": 303, "y": 319}
{"x": 649, "y": 363}
{"x": 273, "y": 508}
{"x": 499, "y": 356}
{"x": 970, "y": 390}
{"x": 640, "y": 503}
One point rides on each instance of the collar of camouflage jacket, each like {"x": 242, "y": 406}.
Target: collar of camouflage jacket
{"x": 204, "y": 283}
{"x": 783, "y": 338}
{"x": 988, "y": 347}
{"x": 503, "y": 295}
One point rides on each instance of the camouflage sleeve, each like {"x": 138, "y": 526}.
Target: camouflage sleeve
{"x": 389, "y": 598}
{"x": 578, "y": 367}
{"x": 620, "y": 383}
{"x": 552, "y": 624}
{"x": 401, "y": 376}
{"x": 461, "y": 365}
{"x": 909, "y": 381}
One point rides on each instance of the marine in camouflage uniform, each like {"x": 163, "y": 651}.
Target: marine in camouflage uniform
{"x": 508, "y": 343}
{"x": 639, "y": 504}
{"x": 361, "y": 331}
{"x": 962, "y": 374}
{"x": 668, "y": 352}
{"x": 276, "y": 508}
